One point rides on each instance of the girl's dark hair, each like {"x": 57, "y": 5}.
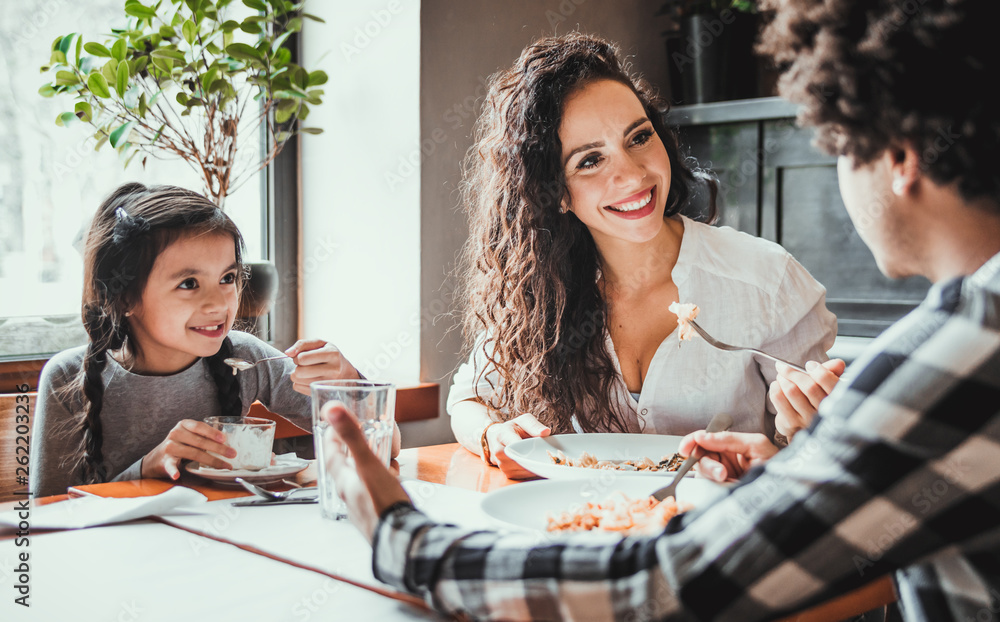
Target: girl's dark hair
{"x": 878, "y": 75}
{"x": 529, "y": 271}
{"x": 130, "y": 229}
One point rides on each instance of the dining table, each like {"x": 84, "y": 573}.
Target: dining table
{"x": 229, "y": 562}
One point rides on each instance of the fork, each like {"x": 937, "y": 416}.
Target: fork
{"x": 719, "y": 423}
{"x": 712, "y": 341}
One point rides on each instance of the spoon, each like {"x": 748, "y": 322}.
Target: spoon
{"x": 270, "y": 495}
{"x": 239, "y": 364}
{"x": 719, "y": 423}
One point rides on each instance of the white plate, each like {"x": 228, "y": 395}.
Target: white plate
{"x": 532, "y": 453}
{"x": 529, "y": 504}
{"x": 284, "y": 467}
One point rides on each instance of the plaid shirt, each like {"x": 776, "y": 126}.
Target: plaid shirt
{"x": 900, "y": 474}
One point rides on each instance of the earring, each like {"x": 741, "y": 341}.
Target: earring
{"x": 128, "y": 313}
{"x": 563, "y": 208}
{"x": 898, "y": 186}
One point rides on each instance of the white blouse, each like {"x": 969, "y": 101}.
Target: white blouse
{"x": 751, "y": 292}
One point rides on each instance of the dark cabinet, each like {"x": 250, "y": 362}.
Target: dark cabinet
{"x": 776, "y": 185}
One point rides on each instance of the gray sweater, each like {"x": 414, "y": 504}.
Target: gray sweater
{"x": 139, "y": 411}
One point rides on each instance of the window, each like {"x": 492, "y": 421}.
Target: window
{"x": 52, "y": 181}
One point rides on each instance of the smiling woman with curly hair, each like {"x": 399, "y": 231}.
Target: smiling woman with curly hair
{"x": 582, "y": 233}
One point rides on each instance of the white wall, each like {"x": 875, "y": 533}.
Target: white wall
{"x": 361, "y": 216}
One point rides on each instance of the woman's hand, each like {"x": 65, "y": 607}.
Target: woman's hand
{"x": 729, "y": 455}
{"x": 796, "y": 396}
{"x": 188, "y": 440}
{"x": 363, "y": 482}
{"x": 315, "y": 360}
{"x": 502, "y": 434}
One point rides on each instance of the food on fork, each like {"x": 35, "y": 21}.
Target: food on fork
{"x": 588, "y": 461}
{"x": 685, "y": 312}
{"x": 644, "y": 515}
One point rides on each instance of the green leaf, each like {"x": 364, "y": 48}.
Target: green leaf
{"x": 65, "y": 119}
{"x": 110, "y": 71}
{"x": 175, "y": 55}
{"x": 230, "y": 25}
{"x": 120, "y": 133}
{"x": 282, "y": 57}
{"x": 294, "y": 24}
{"x": 208, "y": 77}
{"x": 165, "y": 65}
{"x": 98, "y": 85}
{"x": 282, "y": 116}
{"x": 316, "y": 78}
{"x": 311, "y": 130}
{"x": 97, "y": 49}
{"x": 137, "y": 9}
{"x": 46, "y": 90}
{"x": 190, "y": 31}
{"x": 252, "y": 28}
{"x": 66, "y": 78}
{"x": 242, "y": 51}
{"x": 143, "y": 108}
{"x": 118, "y": 50}
{"x": 217, "y": 86}
{"x": 259, "y": 5}
{"x": 79, "y": 44}
{"x": 121, "y": 81}
{"x": 58, "y": 58}
{"x": 138, "y": 65}
{"x": 282, "y": 136}
{"x": 182, "y": 99}
{"x": 167, "y": 32}
{"x": 314, "y": 18}
{"x": 279, "y": 41}
{"x": 84, "y": 112}
{"x": 66, "y": 42}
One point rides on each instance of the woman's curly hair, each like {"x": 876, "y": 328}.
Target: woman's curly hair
{"x": 875, "y": 75}
{"x": 529, "y": 271}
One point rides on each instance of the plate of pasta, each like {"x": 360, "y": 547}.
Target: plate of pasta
{"x": 606, "y": 503}
{"x": 575, "y": 456}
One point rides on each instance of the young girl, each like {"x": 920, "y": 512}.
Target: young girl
{"x": 581, "y": 236}
{"x": 163, "y": 270}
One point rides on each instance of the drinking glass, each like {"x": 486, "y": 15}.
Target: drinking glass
{"x": 374, "y": 404}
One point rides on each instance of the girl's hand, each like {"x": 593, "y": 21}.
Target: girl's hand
{"x": 188, "y": 440}
{"x": 315, "y": 360}
{"x": 502, "y": 434}
{"x": 796, "y": 396}
{"x": 729, "y": 455}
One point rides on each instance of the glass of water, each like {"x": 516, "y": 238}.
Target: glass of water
{"x": 374, "y": 404}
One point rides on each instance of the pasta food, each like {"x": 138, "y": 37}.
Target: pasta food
{"x": 588, "y": 461}
{"x": 685, "y": 313}
{"x": 644, "y": 515}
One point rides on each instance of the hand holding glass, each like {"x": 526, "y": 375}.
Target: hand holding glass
{"x": 374, "y": 404}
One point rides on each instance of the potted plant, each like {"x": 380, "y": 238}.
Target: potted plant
{"x": 184, "y": 79}
{"x": 709, "y": 48}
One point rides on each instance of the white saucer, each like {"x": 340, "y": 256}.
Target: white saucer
{"x": 285, "y": 466}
